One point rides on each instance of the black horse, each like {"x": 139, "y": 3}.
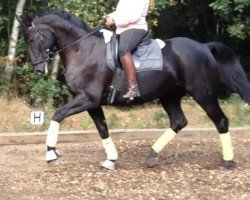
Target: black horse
{"x": 189, "y": 67}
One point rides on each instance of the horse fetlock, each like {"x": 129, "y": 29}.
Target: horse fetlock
{"x": 52, "y": 155}
{"x": 227, "y": 165}
{"x": 108, "y": 164}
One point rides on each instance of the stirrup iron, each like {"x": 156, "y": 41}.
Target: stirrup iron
{"x": 132, "y": 93}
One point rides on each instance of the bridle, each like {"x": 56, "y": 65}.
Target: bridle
{"x": 49, "y": 55}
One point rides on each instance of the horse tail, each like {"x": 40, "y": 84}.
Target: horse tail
{"x": 230, "y": 69}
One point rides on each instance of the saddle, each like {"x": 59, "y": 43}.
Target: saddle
{"x": 147, "y": 56}
{"x": 113, "y": 47}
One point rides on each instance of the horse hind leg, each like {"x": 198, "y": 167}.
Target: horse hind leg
{"x": 211, "y": 106}
{"x": 177, "y": 121}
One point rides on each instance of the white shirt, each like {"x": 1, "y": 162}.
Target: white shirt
{"x": 130, "y": 14}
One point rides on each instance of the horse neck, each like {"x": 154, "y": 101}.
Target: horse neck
{"x": 65, "y": 32}
{"x": 87, "y": 47}
{"x": 65, "y": 38}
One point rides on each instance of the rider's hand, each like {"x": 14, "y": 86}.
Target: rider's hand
{"x": 109, "y": 21}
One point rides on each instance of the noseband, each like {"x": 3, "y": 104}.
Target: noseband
{"x": 49, "y": 57}
{"x": 50, "y": 54}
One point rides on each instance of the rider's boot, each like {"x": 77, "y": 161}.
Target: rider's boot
{"x": 130, "y": 72}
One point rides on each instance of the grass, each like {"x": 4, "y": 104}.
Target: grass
{"x": 240, "y": 110}
{"x": 160, "y": 119}
{"x": 15, "y": 116}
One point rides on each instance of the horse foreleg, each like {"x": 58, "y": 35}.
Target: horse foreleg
{"x": 52, "y": 153}
{"x": 111, "y": 152}
{"x": 177, "y": 121}
{"x": 99, "y": 119}
{"x": 78, "y": 104}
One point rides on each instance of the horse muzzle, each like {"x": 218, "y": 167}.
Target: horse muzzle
{"x": 39, "y": 73}
{"x": 42, "y": 69}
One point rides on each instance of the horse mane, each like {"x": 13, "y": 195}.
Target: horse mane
{"x": 72, "y": 19}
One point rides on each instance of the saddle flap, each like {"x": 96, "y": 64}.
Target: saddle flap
{"x": 114, "y": 48}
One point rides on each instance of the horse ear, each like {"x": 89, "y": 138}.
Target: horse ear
{"x": 25, "y": 21}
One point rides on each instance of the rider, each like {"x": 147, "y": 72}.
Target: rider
{"x": 131, "y": 26}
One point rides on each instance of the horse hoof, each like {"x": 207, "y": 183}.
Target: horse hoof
{"x": 108, "y": 164}
{"x": 152, "y": 159}
{"x": 52, "y": 155}
{"x": 227, "y": 165}
{"x": 51, "y": 162}
{"x": 152, "y": 162}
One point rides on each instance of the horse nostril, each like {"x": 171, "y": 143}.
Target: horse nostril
{"x": 39, "y": 73}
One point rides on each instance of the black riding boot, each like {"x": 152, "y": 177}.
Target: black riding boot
{"x": 130, "y": 72}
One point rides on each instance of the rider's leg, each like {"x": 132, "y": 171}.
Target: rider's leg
{"x": 128, "y": 41}
{"x": 130, "y": 72}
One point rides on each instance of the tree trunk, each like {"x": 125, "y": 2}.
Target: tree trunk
{"x": 13, "y": 41}
{"x": 54, "y": 73}
{"x": 55, "y": 67}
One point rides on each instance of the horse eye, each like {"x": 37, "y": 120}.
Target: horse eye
{"x": 31, "y": 40}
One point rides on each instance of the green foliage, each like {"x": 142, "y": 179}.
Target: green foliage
{"x": 21, "y": 47}
{"x": 160, "y": 119}
{"x": 40, "y": 90}
{"x": 44, "y": 89}
{"x": 91, "y": 11}
{"x": 87, "y": 123}
{"x": 241, "y": 110}
{"x": 3, "y": 81}
{"x": 114, "y": 121}
{"x": 190, "y": 18}
{"x": 236, "y": 14}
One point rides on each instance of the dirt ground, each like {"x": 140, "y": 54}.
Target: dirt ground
{"x": 188, "y": 169}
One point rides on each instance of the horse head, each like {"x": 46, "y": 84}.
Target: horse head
{"x": 52, "y": 28}
{"x": 40, "y": 41}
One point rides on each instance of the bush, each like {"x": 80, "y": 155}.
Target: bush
{"x": 46, "y": 89}
{"x": 39, "y": 90}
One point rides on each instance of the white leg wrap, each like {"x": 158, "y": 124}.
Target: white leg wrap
{"x": 52, "y": 134}
{"x": 110, "y": 149}
{"x": 163, "y": 140}
{"x": 226, "y": 145}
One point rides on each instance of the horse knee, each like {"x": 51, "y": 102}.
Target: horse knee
{"x": 58, "y": 116}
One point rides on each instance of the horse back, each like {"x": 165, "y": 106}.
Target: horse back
{"x": 189, "y": 61}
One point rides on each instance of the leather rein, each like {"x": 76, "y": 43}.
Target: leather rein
{"x": 50, "y": 54}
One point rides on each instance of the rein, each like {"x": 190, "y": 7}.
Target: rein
{"x": 50, "y": 54}
{"x": 97, "y": 28}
